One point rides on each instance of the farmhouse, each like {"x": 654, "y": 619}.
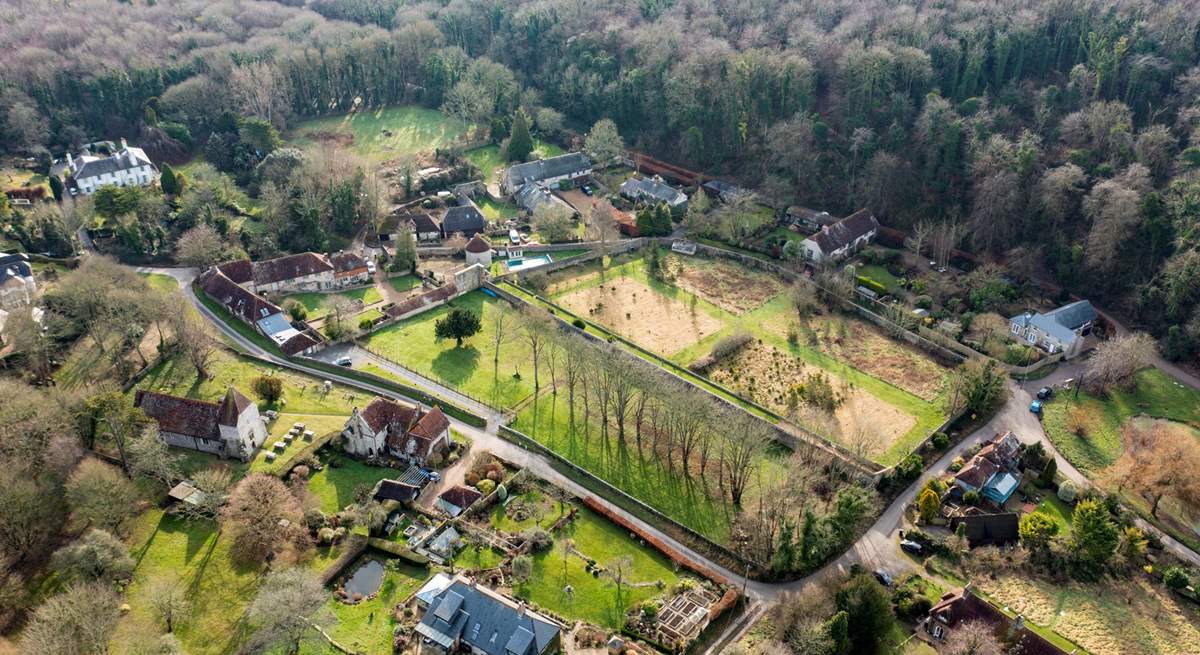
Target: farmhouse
{"x": 17, "y": 285}
{"x": 230, "y": 428}
{"x": 265, "y": 316}
{"x": 653, "y": 190}
{"x": 349, "y": 270}
{"x": 478, "y": 251}
{"x": 955, "y": 608}
{"x": 127, "y": 167}
{"x": 833, "y": 242}
{"x": 549, "y": 172}
{"x": 388, "y": 428}
{"x": 463, "y": 219}
{"x": 532, "y": 196}
{"x": 1059, "y": 331}
{"x": 467, "y": 616}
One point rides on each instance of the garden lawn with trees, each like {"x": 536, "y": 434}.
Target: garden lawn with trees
{"x": 595, "y": 598}
{"x": 380, "y": 134}
{"x": 367, "y": 626}
{"x": 473, "y": 368}
{"x": 320, "y": 304}
{"x": 490, "y": 160}
{"x": 342, "y": 481}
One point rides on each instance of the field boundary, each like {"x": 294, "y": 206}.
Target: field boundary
{"x": 786, "y": 432}
{"x": 639, "y": 508}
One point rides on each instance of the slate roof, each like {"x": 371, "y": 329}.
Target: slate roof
{"x": 118, "y": 162}
{"x": 652, "y": 189}
{"x": 192, "y": 418}
{"x": 422, "y": 222}
{"x": 290, "y": 267}
{"x": 811, "y": 216}
{"x": 988, "y": 529}
{"x": 1062, "y": 322}
{"x": 845, "y": 231}
{"x": 722, "y": 189}
{"x": 396, "y": 490}
{"x": 16, "y": 270}
{"x": 571, "y": 163}
{"x": 486, "y": 621}
{"x": 248, "y": 306}
{"x": 463, "y": 218}
{"x": 478, "y": 244}
{"x": 532, "y": 196}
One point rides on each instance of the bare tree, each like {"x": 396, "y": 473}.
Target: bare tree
{"x": 263, "y": 517}
{"x": 194, "y": 337}
{"x": 169, "y": 599}
{"x": 618, "y": 570}
{"x": 1115, "y": 361}
{"x": 536, "y": 328}
{"x": 921, "y": 232}
{"x": 1159, "y": 460}
{"x": 80, "y": 619}
{"x": 289, "y": 606}
{"x": 974, "y": 637}
{"x": 743, "y": 441}
{"x": 200, "y": 247}
{"x": 261, "y": 90}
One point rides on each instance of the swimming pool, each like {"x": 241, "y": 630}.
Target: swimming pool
{"x": 518, "y": 264}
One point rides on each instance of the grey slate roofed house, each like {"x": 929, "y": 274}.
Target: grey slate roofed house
{"x": 127, "y": 167}
{"x": 465, "y": 219}
{"x": 1061, "y": 330}
{"x": 835, "y": 241}
{"x": 466, "y": 615}
{"x": 653, "y": 190}
{"x": 722, "y": 190}
{"x": 17, "y": 283}
{"x": 532, "y": 196}
{"x": 569, "y": 166}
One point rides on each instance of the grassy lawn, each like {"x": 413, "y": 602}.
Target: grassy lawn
{"x": 335, "y": 487}
{"x": 366, "y": 627}
{"x": 161, "y": 282}
{"x": 404, "y": 282}
{"x": 547, "y": 509}
{"x": 1059, "y": 511}
{"x": 595, "y": 598}
{"x": 320, "y": 304}
{"x": 497, "y": 210}
{"x": 880, "y": 275}
{"x": 486, "y": 558}
{"x": 383, "y": 133}
{"x": 18, "y": 178}
{"x": 372, "y": 314}
{"x": 470, "y": 368}
{"x": 490, "y": 161}
{"x": 301, "y": 394}
{"x": 1154, "y": 394}
{"x": 320, "y": 424}
{"x": 696, "y": 503}
{"x": 197, "y": 556}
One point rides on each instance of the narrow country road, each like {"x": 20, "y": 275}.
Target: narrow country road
{"x": 877, "y": 548}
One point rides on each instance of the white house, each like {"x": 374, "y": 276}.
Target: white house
{"x": 844, "y": 237}
{"x": 127, "y": 167}
{"x": 230, "y": 428}
{"x": 1061, "y": 330}
{"x": 306, "y": 271}
{"x": 388, "y": 428}
{"x": 549, "y": 172}
{"x": 17, "y": 285}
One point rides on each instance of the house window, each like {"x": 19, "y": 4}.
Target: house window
{"x": 1016, "y": 329}
{"x": 938, "y": 632}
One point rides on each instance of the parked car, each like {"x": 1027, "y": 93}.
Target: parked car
{"x": 883, "y": 577}
{"x": 1045, "y": 393}
{"x": 371, "y": 267}
{"x": 1036, "y": 407}
{"x": 434, "y": 476}
{"x": 345, "y": 361}
{"x": 587, "y": 190}
{"x": 910, "y": 546}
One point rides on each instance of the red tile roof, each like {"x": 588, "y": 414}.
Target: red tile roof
{"x": 298, "y": 344}
{"x": 240, "y": 271}
{"x": 232, "y": 407}
{"x": 478, "y": 244}
{"x": 439, "y": 294}
{"x": 347, "y": 263}
{"x": 290, "y": 267}
{"x": 977, "y": 472}
{"x": 192, "y": 418}
{"x": 460, "y": 496}
{"x": 397, "y": 417}
{"x": 964, "y": 605}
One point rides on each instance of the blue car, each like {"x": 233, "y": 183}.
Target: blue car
{"x": 1036, "y": 407}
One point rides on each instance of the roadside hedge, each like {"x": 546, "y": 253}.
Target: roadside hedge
{"x": 871, "y": 284}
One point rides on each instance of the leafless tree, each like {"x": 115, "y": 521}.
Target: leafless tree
{"x": 1115, "y": 361}
{"x": 169, "y": 599}
{"x": 921, "y": 232}
{"x": 80, "y": 619}
{"x": 974, "y": 637}
{"x": 536, "y": 328}
{"x": 194, "y": 337}
{"x": 743, "y": 441}
{"x": 261, "y": 91}
{"x": 618, "y": 569}
{"x": 262, "y": 516}
{"x": 289, "y": 605}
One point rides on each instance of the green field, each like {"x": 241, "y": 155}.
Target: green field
{"x": 161, "y": 282}
{"x": 320, "y": 304}
{"x": 1153, "y": 394}
{"x": 497, "y": 210}
{"x": 339, "y": 483}
{"x": 491, "y": 162}
{"x": 412, "y": 130}
{"x": 196, "y": 555}
{"x": 404, "y": 282}
{"x": 595, "y": 598}
{"x": 471, "y": 368}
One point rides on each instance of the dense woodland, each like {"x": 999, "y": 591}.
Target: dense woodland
{"x": 1060, "y": 134}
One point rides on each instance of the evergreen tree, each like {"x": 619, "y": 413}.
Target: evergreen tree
{"x": 170, "y": 182}
{"x": 458, "y": 325}
{"x": 785, "y": 555}
{"x": 520, "y": 144}
{"x": 1093, "y": 539}
{"x": 56, "y": 188}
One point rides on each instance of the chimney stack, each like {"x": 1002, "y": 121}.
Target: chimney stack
{"x": 123, "y": 144}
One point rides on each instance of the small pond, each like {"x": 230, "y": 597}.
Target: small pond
{"x": 365, "y": 580}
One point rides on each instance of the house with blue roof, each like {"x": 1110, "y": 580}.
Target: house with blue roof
{"x": 464, "y": 616}
{"x": 1059, "y": 331}
{"x": 994, "y": 471}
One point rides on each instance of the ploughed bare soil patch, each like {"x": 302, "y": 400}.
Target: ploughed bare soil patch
{"x": 731, "y": 287}
{"x": 637, "y": 312}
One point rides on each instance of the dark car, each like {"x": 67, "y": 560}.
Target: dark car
{"x": 883, "y": 577}
{"x": 909, "y": 546}
{"x": 345, "y": 361}
{"x": 1044, "y": 393}
{"x": 587, "y": 190}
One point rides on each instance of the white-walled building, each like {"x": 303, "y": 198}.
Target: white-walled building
{"x": 844, "y": 237}
{"x": 127, "y": 167}
{"x": 478, "y": 251}
{"x": 17, "y": 285}
{"x": 231, "y": 428}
